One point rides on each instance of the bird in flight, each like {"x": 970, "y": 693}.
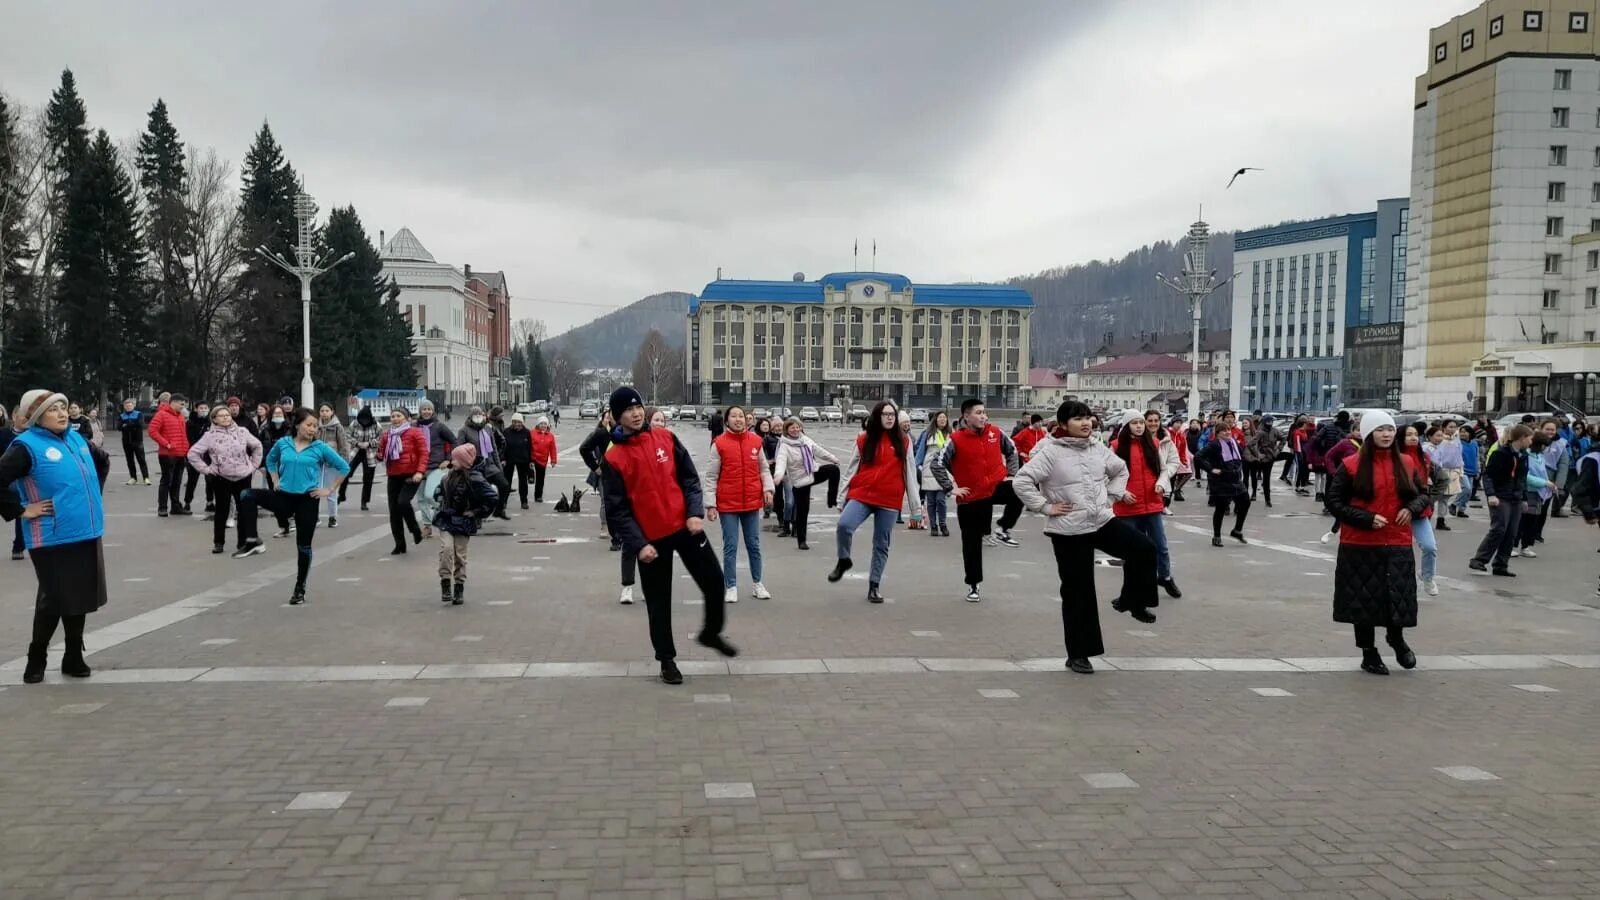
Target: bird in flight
{"x": 1238, "y": 173}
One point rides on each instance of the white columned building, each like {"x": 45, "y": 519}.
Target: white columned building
{"x": 452, "y": 358}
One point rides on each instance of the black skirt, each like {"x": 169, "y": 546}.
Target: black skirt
{"x": 72, "y": 578}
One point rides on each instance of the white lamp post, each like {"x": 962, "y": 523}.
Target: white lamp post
{"x": 1196, "y": 283}
{"x": 306, "y": 267}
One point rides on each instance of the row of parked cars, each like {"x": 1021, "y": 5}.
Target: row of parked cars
{"x": 590, "y": 409}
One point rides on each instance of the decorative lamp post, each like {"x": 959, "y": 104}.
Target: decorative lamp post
{"x": 306, "y": 267}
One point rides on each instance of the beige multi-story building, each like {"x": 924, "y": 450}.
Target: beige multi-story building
{"x": 858, "y": 336}
{"x": 1503, "y": 261}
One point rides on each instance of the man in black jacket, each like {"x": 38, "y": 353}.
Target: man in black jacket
{"x": 519, "y": 456}
{"x": 593, "y": 451}
{"x": 199, "y": 421}
{"x": 1505, "y": 477}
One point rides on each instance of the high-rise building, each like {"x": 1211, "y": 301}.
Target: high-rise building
{"x": 1503, "y": 257}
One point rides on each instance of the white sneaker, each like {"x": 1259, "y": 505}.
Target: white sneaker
{"x": 1431, "y": 586}
{"x": 759, "y": 591}
{"x": 627, "y": 595}
{"x": 1516, "y": 551}
{"x": 989, "y": 541}
{"x": 731, "y": 595}
{"x": 1167, "y": 511}
{"x": 1528, "y": 553}
{"x": 972, "y": 594}
{"x": 1327, "y": 538}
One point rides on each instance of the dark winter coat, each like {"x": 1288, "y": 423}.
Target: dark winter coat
{"x": 465, "y": 499}
{"x": 1230, "y": 483}
{"x": 1375, "y": 576}
{"x": 1327, "y": 437}
{"x": 519, "y": 445}
{"x": 493, "y": 461}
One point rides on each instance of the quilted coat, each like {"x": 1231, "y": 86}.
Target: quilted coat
{"x": 1375, "y": 576}
{"x": 1078, "y": 471}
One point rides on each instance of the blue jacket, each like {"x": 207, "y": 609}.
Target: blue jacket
{"x": 300, "y": 471}
{"x": 1469, "y": 457}
{"x": 63, "y": 470}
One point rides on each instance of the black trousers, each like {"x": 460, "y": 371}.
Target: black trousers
{"x": 302, "y": 507}
{"x": 1367, "y": 636}
{"x": 1080, "y": 614}
{"x": 172, "y": 468}
{"x": 135, "y": 456}
{"x": 802, "y": 510}
{"x": 975, "y": 521}
{"x": 1261, "y": 477}
{"x": 402, "y": 516}
{"x": 1241, "y": 508}
{"x": 538, "y": 483}
{"x": 188, "y": 489}
{"x": 520, "y": 473}
{"x": 1531, "y": 527}
{"x": 1302, "y": 472}
{"x": 502, "y": 486}
{"x": 367, "y": 470}
{"x": 228, "y": 495}
{"x": 44, "y": 630}
{"x": 655, "y": 579}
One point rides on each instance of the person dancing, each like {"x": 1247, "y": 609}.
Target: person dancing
{"x": 881, "y": 475}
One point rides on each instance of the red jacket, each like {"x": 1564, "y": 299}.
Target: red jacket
{"x": 647, "y": 496}
{"x": 413, "y": 452}
{"x": 1424, "y": 467}
{"x": 170, "y": 432}
{"x": 1026, "y": 440}
{"x": 1141, "y": 484}
{"x": 883, "y": 483}
{"x": 1180, "y": 442}
{"x": 544, "y": 447}
{"x": 1385, "y": 502}
{"x": 741, "y": 463}
{"x": 977, "y": 461}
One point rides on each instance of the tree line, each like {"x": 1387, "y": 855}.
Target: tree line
{"x": 136, "y": 266}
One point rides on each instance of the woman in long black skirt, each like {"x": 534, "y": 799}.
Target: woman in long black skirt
{"x": 50, "y": 480}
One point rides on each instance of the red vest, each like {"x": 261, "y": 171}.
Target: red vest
{"x": 739, "y": 481}
{"x": 1026, "y": 440}
{"x": 883, "y": 483}
{"x": 648, "y": 466}
{"x": 1385, "y": 502}
{"x": 1141, "y": 484}
{"x": 979, "y": 463}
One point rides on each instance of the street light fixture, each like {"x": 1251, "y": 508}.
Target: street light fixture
{"x": 1196, "y": 283}
{"x": 306, "y": 267}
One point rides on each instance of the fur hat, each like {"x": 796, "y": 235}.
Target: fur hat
{"x": 35, "y": 402}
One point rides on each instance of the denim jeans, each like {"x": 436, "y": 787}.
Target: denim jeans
{"x": 1422, "y": 532}
{"x": 1459, "y": 501}
{"x": 733, "y": 524}
{"x": 1151, "y": 527}
{"x": 851, "y": 517}
{"x": 938, "y": 506}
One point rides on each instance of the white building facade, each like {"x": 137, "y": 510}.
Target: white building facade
{"x": 451, "y": 350}
{"x": 1503, "y": 287}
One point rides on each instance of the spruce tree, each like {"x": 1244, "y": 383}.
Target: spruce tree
{"x": 266, "y": 341}
{"x": 14, "y": 249}
{"x": 99, "y": 299}
{"x": 519, "y": 362}
{"x": 395, "y": 351}
{"x": 180, "y": 355}
{"x": 67, "y": 132}
{"x": 346, "y": 309}
{"x": 538, "y": 373}
{"x": 28, "y": 358}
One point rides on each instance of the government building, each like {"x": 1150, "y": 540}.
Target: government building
{"x": 858, "y": 337}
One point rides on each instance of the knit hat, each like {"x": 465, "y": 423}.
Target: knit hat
{"x": 1372, "y": 420}
{"x": 622, "y": 399}
{"x": 543, "y": 421}
{"x": 464, "y": 455}
{"x": 36, "y": 401}
{"x": 517, "y": 417}
{"x": 233, "y": 401}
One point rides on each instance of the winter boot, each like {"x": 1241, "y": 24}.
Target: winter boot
{"x": 444, "y": 590}
{"x": 38, "y": 659}
{"x": 460, "y": 598}
{"x": 72, "y": 664}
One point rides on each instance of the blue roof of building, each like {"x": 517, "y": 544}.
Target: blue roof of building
{"x": 813, "y": 291}
{"x": 1299, "y": 232}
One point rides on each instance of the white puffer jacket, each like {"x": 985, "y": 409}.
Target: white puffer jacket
{"x": 1078, "y": 471}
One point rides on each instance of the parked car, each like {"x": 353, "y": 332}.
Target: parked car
{"x": 686, "y": 412}
{"x": 526, "y": 409}
{"x": 810, "y": 414}
{"x": 919, "y": 415}
{"x": 783, "y": 412}
{"x": 858, "y": 413}
{"x": 760, "y": 412}
{"x": 832, "y": 414}
{"x": 590, "y": 409}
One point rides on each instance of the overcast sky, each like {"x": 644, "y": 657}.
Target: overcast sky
{"x": 598, "y": 152}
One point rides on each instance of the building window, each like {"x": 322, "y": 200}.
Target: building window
{"x": 1533, "y": 20}
{"x": 1558, "y": 117}
{"x": 1563, "y": 79}
{"x": 1594, "y": 224}
{"x": 1594, "y": 260}
{"x": 1552, "y": 299}
{"x": 1466, "y": 40}
{"x": 1552, "y": 226}
{"x": 1558, "y": 155}
{"x": 1556, "y": 192}
{"x": 1552, "y": 264}
{"x": 1588, "y": 336}
{"x": 1440, "y": 52}
{"x": 1497, "y": 27}
{"x": 1578, "y": 22}
{"x": 1547, "y": 337}
{"x": 1591, "y": 298}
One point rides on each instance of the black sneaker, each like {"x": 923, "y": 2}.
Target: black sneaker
{"x": 1138, "y": 612}
{"x": 1443, "y": 525}
{"x": 670, "y": 673}
{"x": 1005, "y": 537}
{"x": 162, "y": 513}
{"x": 1476, "y": 566}
{"x": 298, "y": 597}
{"x": 1505, "y": 573}
{"x": 251, "y": 549}
{"x": 717, "y": 643}
{"x": 972, "y": 594}
{"x": 1080, "y": 665}
{"x": 1171, "y": 587}
{"x": 843, "y": 566}
{"x": 333, "y": 521}
{"x": 1216, "y": 542}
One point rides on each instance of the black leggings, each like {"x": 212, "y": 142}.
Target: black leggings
{"x": 1367, "y": 635}
{"x": 135, "y": 457}
{"x": 1241, "y": 508}
{"x": 304, "y": 509}
{"x": 1261, "y": 477}
{"x": 401, "y": 515}
{"x": 656, "y": 579}
{"x": 229, "y": 494}
{"x": 1080, "y": 614}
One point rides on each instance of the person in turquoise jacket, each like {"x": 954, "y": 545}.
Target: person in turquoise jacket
{"x": 1539, "y": 489}
{"x": 50, "y": 481}
{"x": 294, "y": 469}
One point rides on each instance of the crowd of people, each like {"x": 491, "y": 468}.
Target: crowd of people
{"x": 1388, "y": 487}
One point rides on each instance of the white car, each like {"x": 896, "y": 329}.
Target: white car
{"x": 526, "y": 409}
{"x": 832, "y": 414}
{"x": 809, "y": 414}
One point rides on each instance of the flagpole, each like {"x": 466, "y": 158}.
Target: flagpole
{"x": 855, "y": 256}
{"x": 874, "y": 254}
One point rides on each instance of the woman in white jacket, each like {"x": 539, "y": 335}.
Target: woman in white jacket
{"x": 801, "y": 462}
{"x": 1074, "y": 480}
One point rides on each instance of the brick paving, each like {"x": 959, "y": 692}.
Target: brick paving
{"x": 881, "y": 763}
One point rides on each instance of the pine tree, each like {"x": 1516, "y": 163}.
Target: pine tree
{"x": 538, "y": 373}
{"x": 14, "y": 249}
{"x": 99, "y": 298}
{"x": 67, "y": 131}
{"x": 28, "y": 359}
{"x": 519, "y": 361}
{"x": 180, "y": 353}
{"x": 267, "y": 336}
{"x": 397, "y": 366}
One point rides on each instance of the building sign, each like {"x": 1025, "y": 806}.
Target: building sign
{"x": 879, "y": 376}
{"x": 1372, "y": 335}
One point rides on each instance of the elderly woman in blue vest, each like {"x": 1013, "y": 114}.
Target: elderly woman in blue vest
{"x": 50, "y": 479}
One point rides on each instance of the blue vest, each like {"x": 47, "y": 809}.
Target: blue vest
{"x": 63, "y": 471}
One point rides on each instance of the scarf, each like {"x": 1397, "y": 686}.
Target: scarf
{"x": 485, "y": 442}
{"x": 808, "y": 463}
{"x": 1230, "y": 450}
{"x": 393, "y": 452}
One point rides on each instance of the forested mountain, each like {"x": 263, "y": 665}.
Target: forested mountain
{"x": 612, "y": 340}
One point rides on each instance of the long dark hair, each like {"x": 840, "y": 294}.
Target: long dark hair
{"x": 933, "y": 423}
{"x": 1125, "y": 441}
{"x": 1405, "y": 486}
{"x": 876, "y": 431}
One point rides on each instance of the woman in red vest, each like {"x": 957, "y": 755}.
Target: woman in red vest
{"x": 1375, "y": 494}
{"x": 738, "y": 487}
{"x": 881, "y": 475}
{"x": 1149, "y": 481}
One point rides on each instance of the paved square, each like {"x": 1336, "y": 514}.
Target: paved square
{"x": 318, "y": 800}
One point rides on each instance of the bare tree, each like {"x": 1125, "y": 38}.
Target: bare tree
{"x": 528, "y": 331}
{"x": 40, "y": 215}
{"x": 566, "y": 377}
{"x": 652, "y": 366}
{"x": 214, "y": 269}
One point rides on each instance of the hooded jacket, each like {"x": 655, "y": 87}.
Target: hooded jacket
{"x": 465, "y": 499}
{"x": 518, "y": 444}
{"x": 1073, "y": 470}
{"x": 234, "y": 452}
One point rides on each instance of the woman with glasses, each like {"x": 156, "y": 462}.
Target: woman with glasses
{"x": 881, "y": 476}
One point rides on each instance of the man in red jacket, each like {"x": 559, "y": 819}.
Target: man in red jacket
{"x": 974, "y": 467}
{"x": 653, "y": 503}
{"x": 1029, "y": 437}
{"x": 169, "y": 429}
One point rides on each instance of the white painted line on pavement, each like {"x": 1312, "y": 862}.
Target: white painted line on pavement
{"x": 318, "y": 800}
{"x": 1466, "y": 773}
{"x": 1271, "y": 692}
{"x": 79, "y": 709}
{"x": 1109, "y": 780}
{"x": 396, "y": 702}
{"x": 713, "y": 698}
{"x": 731, "y": 790}
{"x": 997, "y": 693}
{"x": 1536, "y": 688}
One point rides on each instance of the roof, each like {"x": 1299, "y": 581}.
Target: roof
{"x": 1046, "y": 378}
{"x": 405, "y": 246}
{"x": 1143, "y": 362}
{"x": 815, "y": 291}
{"x": 1174, "y": 343}
{"x": 496, "y": 281}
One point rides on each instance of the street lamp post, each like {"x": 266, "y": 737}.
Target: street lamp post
{"x": 1196, "y": 283}
{"x": 305, "y": 267}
